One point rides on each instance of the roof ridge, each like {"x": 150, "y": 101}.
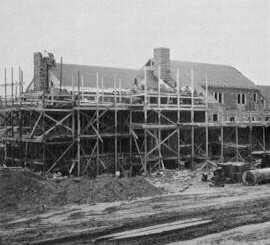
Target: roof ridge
{"x": 98, "y": 66}
{"x": 200, "y": 63}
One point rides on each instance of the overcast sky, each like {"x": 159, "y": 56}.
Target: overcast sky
{"x": 123, "y": 33}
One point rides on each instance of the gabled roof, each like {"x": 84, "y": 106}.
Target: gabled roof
{"x": 216, "y": 74}
{"x": 265, "y": 90}
{"x": 89, "y": 74}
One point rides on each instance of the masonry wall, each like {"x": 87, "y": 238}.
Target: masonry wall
{"x": 42, "y": 64}
{"x": 230, "y": 98}
{"x": 40, "y": 73}
{"x": 230, "y": 106}
{"x": 162, "y": 63}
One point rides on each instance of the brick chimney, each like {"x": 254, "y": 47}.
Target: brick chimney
{"x": 42, "y": 63}
{"x": 162, "y": 62}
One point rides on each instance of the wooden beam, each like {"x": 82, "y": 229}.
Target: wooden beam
{"x": 53, "y": 127}
{"x": 67, "y": 149}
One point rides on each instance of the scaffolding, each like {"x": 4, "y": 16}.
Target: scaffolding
{"x": 88, "y": 134}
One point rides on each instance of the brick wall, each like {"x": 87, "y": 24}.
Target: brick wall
{"x": 162, "y": 62}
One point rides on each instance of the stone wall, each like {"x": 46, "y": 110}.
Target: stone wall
{"x": 162, "y": 62}
{"x": 230, "y": 98}
{"x": 42, "y": 64}
{"x": 231, "y": 110}
{"x": 40, "y": 73}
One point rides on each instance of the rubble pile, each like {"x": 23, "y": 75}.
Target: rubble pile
{"x": 172, "y": 180}
{"x": 171, "y": 176}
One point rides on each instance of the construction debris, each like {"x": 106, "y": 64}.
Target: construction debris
{"x": 172, "y": 180}
{"x": 170, "y": 176}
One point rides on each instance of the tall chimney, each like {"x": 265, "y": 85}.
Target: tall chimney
{"x": 42, "y": 63}
{"x": 162, "y": 63}
{"x": 40, "y": 73}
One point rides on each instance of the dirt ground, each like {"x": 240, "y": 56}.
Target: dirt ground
{"x": 235, "y": 214}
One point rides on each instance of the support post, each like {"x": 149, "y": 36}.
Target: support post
{"x": 79, "y": 86}
{"x": 83, "y": 87}
{"x": 250, "y": 139}
{"x": 97, "y": 115}
{"x": 102, "y": 89}
{"x": 206, "y": 119}
{"x": 61, "y": 74}
{"x": 78, "y": 142}
{"x": 22, "y": 80}
{"x": 192, "y": 121}
{"x": 6, "y": 114}
{"x": 78, "y": 128}
{"x": 120, "y": 92}
{"x": 264, "y": 144}
{"x": 145, "y": 142}
{"x": 72, "y": 80}
{"x": 237, "y": 147}
{"x": 130, "y": 138}
{"x": 12, "y": 84}
{"x": 6, "y": 87}
{"x": 115, "y": 140}
{"x": 145, "y": 121}
{"x": 159, "y": 99}
{"x": 43, "y": 131}
{"x": 178, "y": 119}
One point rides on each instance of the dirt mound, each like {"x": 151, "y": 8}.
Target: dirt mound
{"x": 105, "y": 188}
{"x": 24, "y": 190}
{"x": 21, "y": 188}
{"x": 108, "y": 188}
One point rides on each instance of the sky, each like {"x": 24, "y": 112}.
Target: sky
{"x": 123, "y": 33}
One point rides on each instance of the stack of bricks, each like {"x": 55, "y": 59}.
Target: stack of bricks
{"x": 162, "y": 63}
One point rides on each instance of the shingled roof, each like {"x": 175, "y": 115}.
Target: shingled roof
{"x": 218, "y": 75}
{"x": 108, "y": 74}
{"x": 265, "y": 90}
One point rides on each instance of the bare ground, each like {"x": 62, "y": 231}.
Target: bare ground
{"x": 238, "y": 215}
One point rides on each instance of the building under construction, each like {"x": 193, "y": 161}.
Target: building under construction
{"x": 87, "y": 120}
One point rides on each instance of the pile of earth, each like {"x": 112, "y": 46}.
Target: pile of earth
{"x": 24, "y": 190}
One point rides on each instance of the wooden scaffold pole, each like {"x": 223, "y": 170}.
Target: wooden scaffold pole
{"x": 78, "y": 128}
{"x": 206, "y": 119}
{"x": 237, "y": 143}
{"x": 222, "y": 138}
{"x": 178, "y": 119}
{"x": 97, "y": 117}
{"x": 6, "y": 114}
{"x": 115, "y": 128}
{"x": 192, "y": 119}
{"x": 160, "y": 160}
{"x": 43, "y": 130}
{"x": 145, "y": 122}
